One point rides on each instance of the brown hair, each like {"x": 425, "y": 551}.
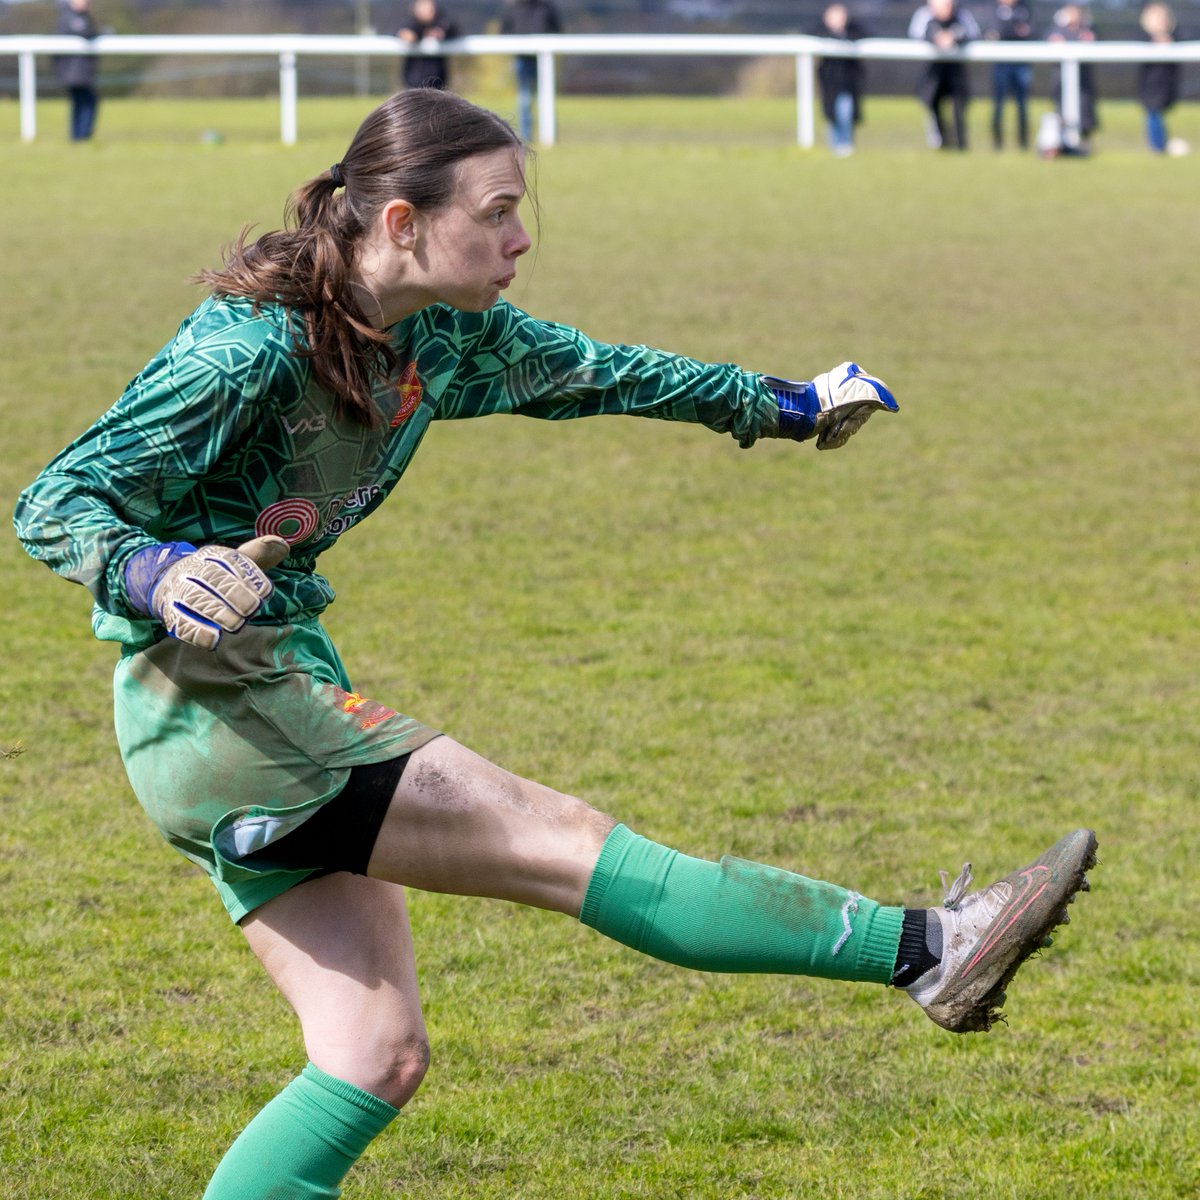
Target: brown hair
{"x": 408, "y": 148}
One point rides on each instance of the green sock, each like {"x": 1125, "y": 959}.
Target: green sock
{"x": 302, "y": 1143}
{"x": 736, "y": 915}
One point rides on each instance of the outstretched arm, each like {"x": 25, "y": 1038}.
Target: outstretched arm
{"x": 511, "y": 362}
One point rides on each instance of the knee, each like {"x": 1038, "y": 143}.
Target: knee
{"x": 391, "y": 1068}
{"x": 400, "y": 1067}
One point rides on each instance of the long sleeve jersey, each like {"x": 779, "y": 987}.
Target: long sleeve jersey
{"x": 226, "y": 435}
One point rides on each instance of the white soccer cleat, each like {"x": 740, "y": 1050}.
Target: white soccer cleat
{"x": 987, "y": 935}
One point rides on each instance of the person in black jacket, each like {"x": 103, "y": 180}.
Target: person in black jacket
{"x": 946, "y": 26}
{"x": 526, "y": 17}
{"x": 841, "y": 80}
{"x": 77, "y": 72}
{"x": 427, "y": 22}
{"x": 1157, "y": 82}
{"x": 1011, "y": 22}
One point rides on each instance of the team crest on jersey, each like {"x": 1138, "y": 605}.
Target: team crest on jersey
{"x": 409, "y": 389}
{"x": 294, "y": 520}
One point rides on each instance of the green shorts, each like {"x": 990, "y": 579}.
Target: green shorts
{"x": 229, "y": 750}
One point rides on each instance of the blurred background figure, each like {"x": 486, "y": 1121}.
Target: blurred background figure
{"x": 1073, "y": 24}
{"x": 841, "y": 80}
{"x": 77, "y": 72}
{"x": 528, "y": 17}
{"x": 1011, "y": 22}
{"x": 1158, "y": 82}
{"x": 946, "y": 26}
{"x": 427, "y": 22}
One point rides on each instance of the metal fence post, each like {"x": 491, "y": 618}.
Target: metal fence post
{"x": 287, "y": 97}
{"x": 27, "y": 89}
{"x": 805, "y": 124}
{"x": 547, "y": 124}
{"x": 1072, "y": 115}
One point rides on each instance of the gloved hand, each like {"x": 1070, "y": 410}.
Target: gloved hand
{"x": 200, "y": 594}
{"x": 833, "y": 407}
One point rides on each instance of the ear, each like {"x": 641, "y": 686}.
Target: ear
{"x": 400, "y": 223}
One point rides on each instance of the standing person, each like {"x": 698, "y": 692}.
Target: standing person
{"x": 1011, "y": 22}
{"x": 284, "y": 412}
{"x": 946, "y": 26}
{"x": 1157, "y": 82}
{"x": 841, "y": 80}
{"x": 528, "y": 17}
{"x": 1071, "y": 24}
{"x": 78, "y": 72}
{"x": 426, "y": 22}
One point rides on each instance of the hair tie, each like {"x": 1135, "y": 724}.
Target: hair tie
{"x": 335, "y": 174}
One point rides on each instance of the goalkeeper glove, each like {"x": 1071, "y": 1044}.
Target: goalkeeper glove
{"x": 200, "y": 594}
{"x": 833, "y": 407}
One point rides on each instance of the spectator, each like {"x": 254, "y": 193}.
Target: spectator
{"x": 528, "y": 17}
{"x": 1071, "y": 24}
{"x": 1011, "y": 22}
{"x": 77, "y": 72}
{"x": 1157, "y": 82}
{"x": 946, "y": 26}
{"x": 427, "y": 22}
{"x": 841, "y": 80}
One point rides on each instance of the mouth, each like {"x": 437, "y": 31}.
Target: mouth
{"x": 505, "y": 281}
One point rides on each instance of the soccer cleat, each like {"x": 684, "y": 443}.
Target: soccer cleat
{"x": 987, "y": 935}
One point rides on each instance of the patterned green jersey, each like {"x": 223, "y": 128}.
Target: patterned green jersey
{"x": 226, "y": 435}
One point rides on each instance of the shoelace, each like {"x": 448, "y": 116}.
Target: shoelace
{"x": 958, "y": 889}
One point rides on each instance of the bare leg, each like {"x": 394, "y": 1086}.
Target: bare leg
{"x": 340, "y": 950}
{"x": 460, "y": 824}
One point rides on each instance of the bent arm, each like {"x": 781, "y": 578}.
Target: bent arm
{"x": 109, "y": 494}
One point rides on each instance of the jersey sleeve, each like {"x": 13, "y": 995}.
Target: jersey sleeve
{"x": 511, "y": 362}
{"x": 102, "y": 499}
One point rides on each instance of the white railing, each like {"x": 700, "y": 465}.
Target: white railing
{"x": 804, "y": 50}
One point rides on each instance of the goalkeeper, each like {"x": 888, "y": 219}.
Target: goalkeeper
{"x": 284, "y": 411}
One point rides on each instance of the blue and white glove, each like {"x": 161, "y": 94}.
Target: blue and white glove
{"x": 833, "y": 407}
{"x": 200, "y": 594}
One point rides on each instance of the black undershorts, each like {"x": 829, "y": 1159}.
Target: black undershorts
{"x": 341, "y": 834}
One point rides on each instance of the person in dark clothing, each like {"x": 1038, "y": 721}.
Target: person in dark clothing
{"x": 77, "y": 72}
{"x": 1157, "y": 82}
{"x": 946, "y": 26}
{"x": 427, "y": 22}
{"x": 840, "y": 79}
{"x": 1071, "y": 24}
{"x": 1011, "y": 22}
{"x": 528, "y": 17}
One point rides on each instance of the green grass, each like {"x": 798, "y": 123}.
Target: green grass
{"x": 969, "y": 631}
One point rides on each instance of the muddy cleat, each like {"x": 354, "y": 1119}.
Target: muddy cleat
{"x": 987, "y": 935}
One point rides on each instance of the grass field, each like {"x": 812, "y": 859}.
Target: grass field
{"x": 970, "y": 631}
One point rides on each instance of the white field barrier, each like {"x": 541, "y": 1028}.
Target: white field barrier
{"x": 806, "y": 51}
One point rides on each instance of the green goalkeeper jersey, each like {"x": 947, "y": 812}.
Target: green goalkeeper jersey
{"x": 226, "y": 435}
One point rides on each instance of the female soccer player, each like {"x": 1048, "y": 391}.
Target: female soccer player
{"x": 281, "y": 414}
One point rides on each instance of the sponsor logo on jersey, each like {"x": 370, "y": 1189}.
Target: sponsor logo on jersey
{"x": 294, "y": 520}
{"x": 297, "y": 520}
{"x": 409, "y": 389}
{"x": 343, "y": 512}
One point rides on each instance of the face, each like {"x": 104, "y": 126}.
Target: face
{"x": 836, "y": 18}
{"x": 467, "y": 252}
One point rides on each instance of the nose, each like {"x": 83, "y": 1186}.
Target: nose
{"x": 521, "y": 240}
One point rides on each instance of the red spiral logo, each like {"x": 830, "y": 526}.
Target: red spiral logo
{"x": 293, "y": 520}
